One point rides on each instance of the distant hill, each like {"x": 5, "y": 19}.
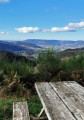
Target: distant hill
{"x": 33, "y": 46}
{"x": 71, "y": 52}
{"x": 16, "y": 48}
{"x": 11, "y": 57}
{"x": 55, "y": 42}
{"x": 26, "y": 44}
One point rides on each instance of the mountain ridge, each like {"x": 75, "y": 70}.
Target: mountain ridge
{"x": 33, "y": 46}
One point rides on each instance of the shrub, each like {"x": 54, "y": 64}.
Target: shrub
{"x": 49, "y": 65}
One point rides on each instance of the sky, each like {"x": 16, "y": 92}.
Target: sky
{"x": 42, "y": 19}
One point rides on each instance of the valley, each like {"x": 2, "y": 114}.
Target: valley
{"x": 32, "y": 47}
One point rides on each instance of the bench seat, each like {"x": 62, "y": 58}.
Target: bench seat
{"x": 20, "y": 111}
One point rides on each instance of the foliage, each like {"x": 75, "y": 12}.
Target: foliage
{"x": 49, "y": 65}
{"x": 34, "y": 105}
{"x": 6, "y": 106}
{"x": 52, "y": 68}
{"x": 23, "y": 69}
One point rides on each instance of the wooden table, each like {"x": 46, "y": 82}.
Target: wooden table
{"x": 62, "y": 100}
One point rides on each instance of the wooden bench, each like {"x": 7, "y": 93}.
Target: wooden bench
{"x": 20, "y": 111}
{"x": 61, "y": 100}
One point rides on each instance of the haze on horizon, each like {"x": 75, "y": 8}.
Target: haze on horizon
{"x": 42, "y": 19}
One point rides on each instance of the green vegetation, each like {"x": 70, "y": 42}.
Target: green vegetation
{"x": 6, "y": 106}
{"x": 17, "y": 78}
{"x": 49, "y": 65}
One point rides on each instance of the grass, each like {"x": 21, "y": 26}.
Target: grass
{"x": 34, "y": 105}
{"x": 6, "y": 106}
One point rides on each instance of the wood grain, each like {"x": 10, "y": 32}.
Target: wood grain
{"x": 20, "y": 111}
{"x": 42, "y": 113}
{"x": 78, "y": 89}
{"x": 53, "y": 105}
{"x": 70, "y": 99}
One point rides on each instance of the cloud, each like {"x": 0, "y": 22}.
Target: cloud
{"x": 3, "y": 33}
{"x": 28, "y": 29}
{"x": 4, "y": 1}
{"x": 76, "y": 25}
{"x": 71, "y": 27}
{"x": 59, "y": 29}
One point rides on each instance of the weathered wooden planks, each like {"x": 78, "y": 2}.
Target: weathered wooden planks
{"x": 70, "y": 99}
{"x": 42, "y": 113}
{"x": 20, "y": 111}
{"x": 53, "y": 105}
{"x": 78, "y": 89}
{"x": 39, "y": 118}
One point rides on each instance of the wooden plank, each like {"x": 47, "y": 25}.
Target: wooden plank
{"x": 39, "y": 118}
{"x": 42, "y": 113}
{"x": 70, "y": 99}
{"x": 54, "y": 107}
{"x": 20, "y": 111}
{"x": 78, "y": 89}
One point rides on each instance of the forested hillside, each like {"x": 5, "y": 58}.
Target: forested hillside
{"x": 71, "y": 52}
{"x": 17, "y": 48}
{"x": 18, "y": 76}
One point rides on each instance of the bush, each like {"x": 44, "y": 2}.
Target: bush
{"x": 48, "y": 65}
{"x": 23, "y": 69}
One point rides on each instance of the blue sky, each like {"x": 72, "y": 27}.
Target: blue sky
{"x": 42, "y": 19}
